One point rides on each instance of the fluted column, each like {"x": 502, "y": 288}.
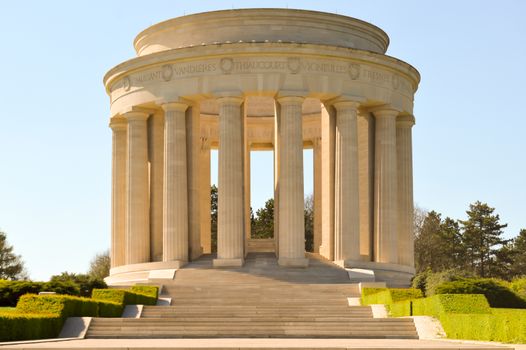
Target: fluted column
{"x": 156, "y": 158}
{"x": 175, "y": 189}
{"x": 205, "y": 214}
{"x": 230, "y": 228}
{"x": 316, "y": 144}
{"x": 118, "y": 195}
{"x": 137, "y": 208}
{"x": 347, "y": 205}
{"x": 291, "y": 200}
{"x": 404, "y": 150}
{"x": 328, "y": 131}
{"x": 386, "y": 244}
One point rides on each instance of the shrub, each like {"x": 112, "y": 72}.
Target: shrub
{"x": 441, "y": 304}
{"x": 20, "y": 326}
{"x": 388, "y": 296}
{"x": 434, "y": 279}
{"x": 151, "y": 291}
{"x": 84, "y": 282}
{"x": 401, "y": 308}
{"x": 507, "y": 326}
{"x": 518, "y": 285}
{"x": 124, "y": 297}
{"x": 11, "y": 291}
{"x": 62, "y": 305}
{"x": 419, "y": 281}
{"x": 59, "y": 287}
{"x": 110, "y": 309}
{"x": 497, "y": 293}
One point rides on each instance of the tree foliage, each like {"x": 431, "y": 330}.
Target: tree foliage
{"x": 100, "y": 266}
{"x": 11, "y": 265}
{"x": 263, "y": 221}
{"x": 473, "y": 246}
{"x": 309, "y": 223}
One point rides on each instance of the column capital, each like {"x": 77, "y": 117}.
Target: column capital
{"x": 174, "y": 106}
{"x": 346, "y": 101}
{"x": 405, "y": 121}
{"x": 236, "y": 100}
{"x": 136, "y": 115}
{"x": 118, "y": 124}
{"x": 290, "y": 99}
{"x": 385, "y": 111}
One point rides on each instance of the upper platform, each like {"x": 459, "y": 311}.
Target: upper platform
{"x": 261, "y": 25}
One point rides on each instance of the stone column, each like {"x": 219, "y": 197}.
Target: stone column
{"x": 385, "y": 196}
{"x": 291, "y": 200}
{"x": 156, "y": 157}
{"x": 230, "y": 228}
{"x": 328, "y": 130}
{"x": 193, "y": 150}
{"x": 175, "y": 194}
{"x": 277, "y": 121}
{"x": 137, "y": 197}
{"x": 316, "y": 144}
{"x": 205, "y": 214}
{"x": 404, "y": 151}
{"x": 366, "y": 173}
{"x": 346, "y": 207}
{"x": 118, "y": 195}
{"x": 248, "y": 228}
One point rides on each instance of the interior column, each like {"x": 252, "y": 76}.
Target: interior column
{"x": 175, "y": 196}
{"x": 230, "y": 228}
{"x": 291, "y": 199}
{"x": 316, "y": 145}
{"x": 347, "y": 205}
{"x": 205, "y": 214}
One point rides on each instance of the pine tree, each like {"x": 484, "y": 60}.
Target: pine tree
{"x": 11, "y": 265}
{"x": 481, "y": 236}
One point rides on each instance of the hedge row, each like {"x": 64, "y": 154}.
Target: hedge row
{"x": 11, "y": 291}
{"x": 463, "y": 316}
{"x": 139, "y": 295}
{"x": 42, "y": 316}
{"x": 389, "y": 296}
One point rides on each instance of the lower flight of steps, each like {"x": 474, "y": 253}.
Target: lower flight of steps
{"x": 261, "y": 310}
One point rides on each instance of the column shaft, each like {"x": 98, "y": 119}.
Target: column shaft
{"x": 193, "y": 149}
{"x": 175, "y": 198}
{"x": 386, "y": 245}
{"x": 291, "y": 199}
{"x": 346, "y": 208}
{"x": 405, "y": 190}
{"x": 230, "y": 228}
{"x": 205, "y": 214}
{"x": 366, "y": 173}
{"x": 156, "y": 157}
{"x": 118, "y": 198}
{"x": 137, "y": 199}
{"x": 328, "y": 130}
{"x": 317, "y": 195}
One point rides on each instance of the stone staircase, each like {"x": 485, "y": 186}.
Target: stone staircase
{"x": 259, "y": 300}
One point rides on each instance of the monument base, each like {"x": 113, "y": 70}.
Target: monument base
{"x": 394, "y": 275}
{"x": 293, "y": 262}
{"x": 143, "y": 272}
{"x": 228, "y": 262}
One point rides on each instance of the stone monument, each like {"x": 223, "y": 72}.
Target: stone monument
{"x": 262, "y": 79}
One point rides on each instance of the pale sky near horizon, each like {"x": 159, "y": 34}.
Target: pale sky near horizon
{"x": 55, "y": 145}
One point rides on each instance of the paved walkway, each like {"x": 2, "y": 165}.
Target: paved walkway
{"x": 252, "y": 344}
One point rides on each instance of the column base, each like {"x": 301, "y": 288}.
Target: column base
{"x": 228, "y": 262}
{"x": 195, "y": 253}
{"x": 293, "y": 262}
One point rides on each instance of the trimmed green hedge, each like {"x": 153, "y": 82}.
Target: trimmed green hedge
{"x": 389, "y": 296}
{"x": 152, "y": 291}
{"x": 497, "y": 293}
{"x": 20, "y": 326}
{"x": 518, "y": 285}
{"x": 125, "y": 297}
{"x": 441, "y": 304}
{"x": 507, "y": 326}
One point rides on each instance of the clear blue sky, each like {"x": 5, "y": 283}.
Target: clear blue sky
{"x": 55, "y": 146}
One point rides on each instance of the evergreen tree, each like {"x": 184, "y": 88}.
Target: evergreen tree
{"x": 481, "y": 236}
{"x": 11, "y": 265}
{"x": 263, "y": 226}
{"x": 213, "y": 210}
{"x": 517, "y": 266}
{"x": 309, "y": 223}
{"x": 427, "y": 242}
